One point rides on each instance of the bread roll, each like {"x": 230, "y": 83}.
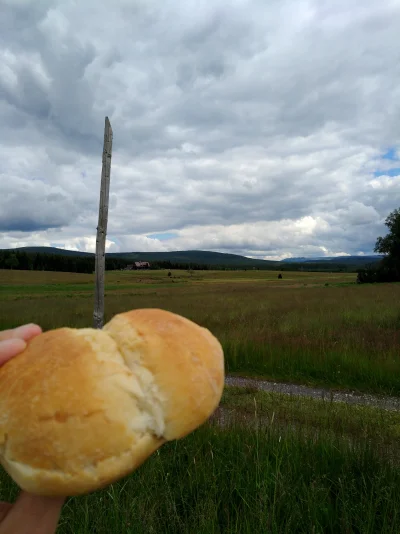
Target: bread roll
{"x": 81, "y": 408}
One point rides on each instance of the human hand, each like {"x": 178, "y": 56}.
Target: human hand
{"x": 13, "y": 341}
{"x": 30, "y": 513}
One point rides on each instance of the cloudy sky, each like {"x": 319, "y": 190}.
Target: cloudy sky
{"x": 269, "y": 129}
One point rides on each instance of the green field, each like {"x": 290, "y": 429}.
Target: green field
{"x": 279, "y": 464}
{"x": 310, "y": 328}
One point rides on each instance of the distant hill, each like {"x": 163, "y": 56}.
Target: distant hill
{"x": 52, "y": 250}
{"x": 204, "y": 257}
{"x": 195, "y": 256}
{"x": 336, "y": 259}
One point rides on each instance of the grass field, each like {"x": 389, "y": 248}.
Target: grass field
{"x": 280, "y": 464}
{"x": 278, "y": 477}
{"x": 310, "y": 328}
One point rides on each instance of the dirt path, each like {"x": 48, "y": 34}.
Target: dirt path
{"x": 384, "y": 402}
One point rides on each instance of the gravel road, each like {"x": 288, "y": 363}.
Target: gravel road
{"x": 384, "y": 402}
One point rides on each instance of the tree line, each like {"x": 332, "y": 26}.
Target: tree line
{"x": 36, "y": 261}
{"x": 39, "y": 261}
{"x": 388, "y": 270}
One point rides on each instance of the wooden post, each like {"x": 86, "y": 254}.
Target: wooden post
{"x": 98, "y": 315}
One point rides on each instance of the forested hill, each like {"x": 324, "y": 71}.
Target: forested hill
{"x": 201, "y": 257}
{"x": 56, "y": 259}
{"x": 353, "y": 260}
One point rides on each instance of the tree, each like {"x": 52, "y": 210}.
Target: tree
{"x": 12, "y": 262}
{"x": 389, "y": 268}
{"x": 390, "y": 244}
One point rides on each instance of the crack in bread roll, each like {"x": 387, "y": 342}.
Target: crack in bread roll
{"x": 82, "y": 408}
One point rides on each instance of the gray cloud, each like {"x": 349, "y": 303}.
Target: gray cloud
{"x": 248, "y": 127}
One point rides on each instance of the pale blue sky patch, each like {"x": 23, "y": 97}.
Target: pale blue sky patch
{"x": 164, "y": 236}
{"x": 391, "y": 154}
{"x": 388, "y": 172}
{"x": 387, "y": 164}
{"x": 114, "y": 240}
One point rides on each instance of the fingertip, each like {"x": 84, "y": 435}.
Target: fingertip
{"x": 34, "y": 329}
{"x": 27, "y": 331}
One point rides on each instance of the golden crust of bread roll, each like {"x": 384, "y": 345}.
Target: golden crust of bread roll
{"x": 81, "y": 408}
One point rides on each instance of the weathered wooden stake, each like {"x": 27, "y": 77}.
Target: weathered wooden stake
{"x": 98, "y": 315}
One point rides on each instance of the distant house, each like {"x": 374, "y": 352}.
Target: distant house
{"x": 142, "y": 265}
{"x": 138, "y": 265}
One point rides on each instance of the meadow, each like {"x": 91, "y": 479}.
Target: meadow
{"x": 309, "y": 328}
{"x": 278, "y": 463}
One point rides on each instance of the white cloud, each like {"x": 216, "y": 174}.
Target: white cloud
{"x": 252, "y": 127}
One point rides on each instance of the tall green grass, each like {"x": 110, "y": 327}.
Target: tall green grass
{"x": 351, "y": 370}
{"x": 343, "y": 336}
{"x": 239, "y": 481}
{"x": 301, "y": 466}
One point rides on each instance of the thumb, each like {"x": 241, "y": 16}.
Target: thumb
{"x": 32, "y": 515}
